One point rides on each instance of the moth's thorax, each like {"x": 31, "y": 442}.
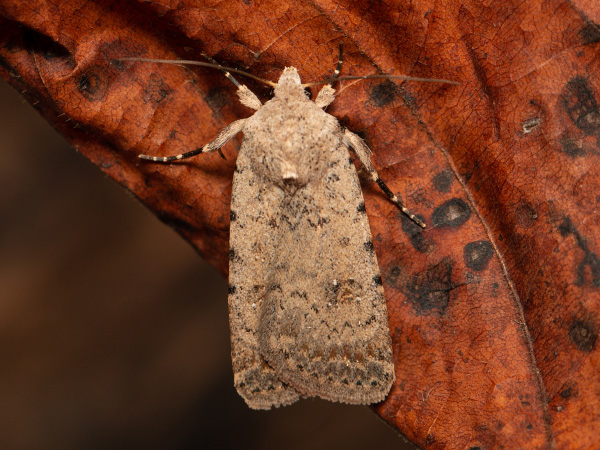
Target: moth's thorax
{"x": 289, "y": 85}
{"x": 292, "y": 140}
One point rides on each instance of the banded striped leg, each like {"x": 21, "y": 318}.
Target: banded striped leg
{"x": 225, "y": 135}
{"x": 327, "y": 93}
{"x": 364, "y": 154}
{"x": 338, "y": 68}
{"x": 225, "y": 72}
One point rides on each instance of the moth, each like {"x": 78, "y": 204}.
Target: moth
{"x": 306, "y": 305}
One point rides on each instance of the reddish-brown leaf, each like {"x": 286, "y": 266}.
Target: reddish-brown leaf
{"x": 494, "y": 308}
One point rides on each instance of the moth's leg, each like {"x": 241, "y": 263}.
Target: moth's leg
{"x": 338, "y": 68}
{"x": 246, "y": 96}
{"x": 225, "y": 135}
{"x": 364, "y": 154}
{"x": 326, "y": 94}
{"x": 227, "y": 74}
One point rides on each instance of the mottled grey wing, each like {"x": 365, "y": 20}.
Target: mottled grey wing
{"x": 324, "y": 323}
{"x": 253, "y": 216}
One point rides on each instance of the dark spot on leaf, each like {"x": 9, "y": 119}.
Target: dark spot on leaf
{"x": 590, "y": 34}
{"x": 308, "y": 92}
{"x": 117, "y": 64}
{"x": 572, "y": 147}
{"x": 177, "y": 224}
{"x": 566, "y": 393}
{"x": 232, "y": 216}
{"x": 452, "y": 213}
{"x": 566, "y": 227}
{"x": 93, "y": 83}
{"x": 231, "y": 289}
{"x": 217, "y": 98}
{"x": 475, "y": 448}
{"x": 384, "y": 93}
{"x": 430, "y": 439}
{"x": 443, "y": 180}
{"x": 430, "y": 291}
{"x": 581, "y": 105}
{"x": 583, "y": 334}
{"x": 393, "y": 276}
{"x": 478, "y": 254}
{"x": 418, "y": 240}
{"x": 525, "y": 215}
{"x": 588, "y": 269}
{"x": 156, "y": 90}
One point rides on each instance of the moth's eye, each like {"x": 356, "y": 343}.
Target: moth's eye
{"x": 308, "y": 93}
{"x": 271, "y": 92}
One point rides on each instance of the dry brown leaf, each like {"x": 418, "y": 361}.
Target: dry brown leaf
{"x": 494, "y": 308}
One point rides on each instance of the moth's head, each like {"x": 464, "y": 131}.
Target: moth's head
{"x": 289, "y": 84}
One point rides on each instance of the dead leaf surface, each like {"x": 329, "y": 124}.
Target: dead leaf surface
{"x": 493, "y": 308}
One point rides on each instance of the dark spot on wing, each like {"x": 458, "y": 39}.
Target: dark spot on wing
{"x": 377, "y": 280}
{"x": 232, "y": 216}
{"x": 580, "y": 104}
{"x": 443, "y": 180}
{"x": 583, "y": 333}
{"x": 369, "y": 246}
{"x": 361, "y": 208}
{"x": 231, "y": 289}
{"x": 452, "y": 213}
{"x": 478, "y": 254}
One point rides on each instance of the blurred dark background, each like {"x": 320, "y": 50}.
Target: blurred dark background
{"x": 113, "y": 331}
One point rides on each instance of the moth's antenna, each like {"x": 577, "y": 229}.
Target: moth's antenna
{"x": 380, "y": 77}
{"x": 202, "y": 64}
